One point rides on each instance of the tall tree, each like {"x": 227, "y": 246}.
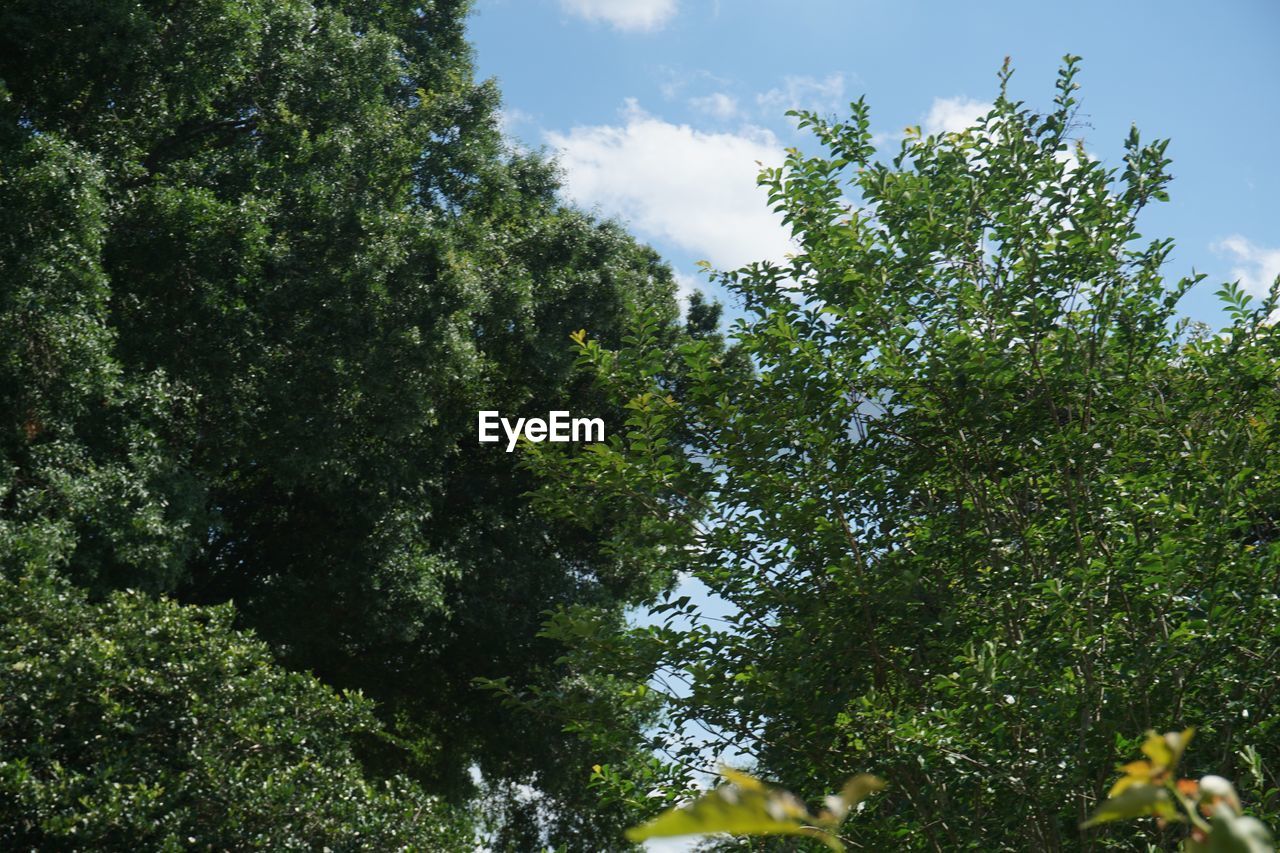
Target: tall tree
{"x": 983, "y": 512}
{"x": 268, "y": 261}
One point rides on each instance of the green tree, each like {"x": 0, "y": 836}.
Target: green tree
{"x": 144, "y": 724}
{"x": 264, "y": 261}
{"x": 982, "y": 510}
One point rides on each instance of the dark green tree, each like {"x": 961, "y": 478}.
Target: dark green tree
{"x": 263, "y": 262}
{"x": 983, "y": 512}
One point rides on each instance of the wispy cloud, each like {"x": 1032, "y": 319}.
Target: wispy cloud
{"x": 804, "y": 93}
{"x": 689, "y": 188}
{"x": 676, "y": 81}
{"x": 509, "y": 118}
{"x": 1256, "y": 267}
{"x": 717, "y": 105}
{"x": 627, "y": 15}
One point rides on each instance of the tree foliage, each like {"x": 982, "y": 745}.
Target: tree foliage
{"x": 982, "y": 508}
{"x": 144, "y": 724}
{"x": 263, "y": 263}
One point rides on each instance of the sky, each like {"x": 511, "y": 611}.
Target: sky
{"x": 660, "y": 112}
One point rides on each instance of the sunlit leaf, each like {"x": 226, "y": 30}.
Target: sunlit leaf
{"x": 1166, "y": 750}
{"x": 855, "y": 791}
{"x": 748, "y": 806}
{"x": 1135, "y": 773}
{"x": 1135, "y": 801}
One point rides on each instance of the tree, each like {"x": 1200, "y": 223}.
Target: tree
{"x": 982, "y": 509}
{"x": 268, "y": 260}
{"x": 142, "y": 723}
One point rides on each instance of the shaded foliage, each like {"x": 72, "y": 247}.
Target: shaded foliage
{"x": 264, "y": 261}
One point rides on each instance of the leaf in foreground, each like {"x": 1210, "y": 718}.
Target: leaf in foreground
{"x": 748, "y": 806}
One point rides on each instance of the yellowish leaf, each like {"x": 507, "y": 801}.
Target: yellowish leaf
{"x": 1135, "y": 801}
{"x": 745, "y": 806}
{"x": 855, "y": 791}
{"x": 1135, "y": 773}
{"x": 1165, "y": 750}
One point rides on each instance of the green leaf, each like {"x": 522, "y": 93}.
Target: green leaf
{"x": 1135, "y": 801}
{"x": 746, "y": 806}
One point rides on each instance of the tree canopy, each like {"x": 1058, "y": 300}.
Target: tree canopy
{"x": 264, "y": 262}
{"x": 983, "y": 509}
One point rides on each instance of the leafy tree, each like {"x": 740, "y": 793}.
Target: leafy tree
{"x": 981, "y": 509}
{"x": 142, "y": 723}
{"x": 268, "y": 259}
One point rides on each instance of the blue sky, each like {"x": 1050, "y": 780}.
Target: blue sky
{"x": 659, "y": 109}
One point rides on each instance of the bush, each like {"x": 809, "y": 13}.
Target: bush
{"x": 136, "y": 723}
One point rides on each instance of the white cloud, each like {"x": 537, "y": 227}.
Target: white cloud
{"x": 1256, "y": 267}
{"x": 952, "y": 115}
{"x": 717, "y": 105}
{"x": 883, "y": 138}
{"x": 633, "y": 15}
{"x": 946, "y": 115}
{"x": 692, "y": 189}
{"x": 804, "y": 93}
{"x": 1072, "y": 157}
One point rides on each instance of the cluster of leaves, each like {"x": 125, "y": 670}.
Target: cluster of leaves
{"x": 748, "y": 806}
{"x": 1149, "y": 787}
{"x": 980, "y": 506}
{"x": 137, "y": 723}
